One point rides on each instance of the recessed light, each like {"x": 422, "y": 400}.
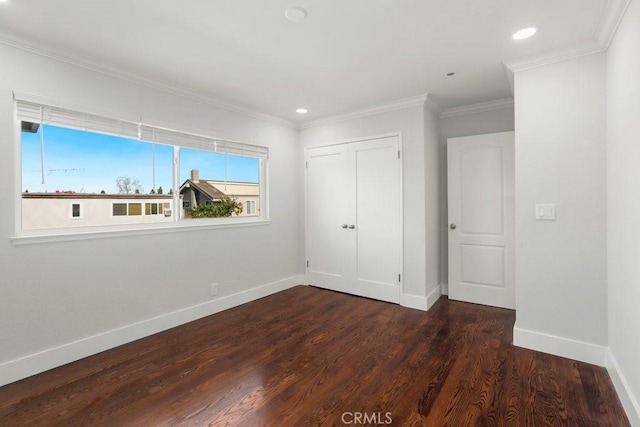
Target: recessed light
{"x": 524, "y": 33}
{"x": 301, "y": 111}
{"x": 296, "y": 14}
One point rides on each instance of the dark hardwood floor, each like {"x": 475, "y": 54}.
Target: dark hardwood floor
{"x": 308, "y": 356}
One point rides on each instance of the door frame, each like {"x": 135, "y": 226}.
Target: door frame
{"x": 397, "y": 134}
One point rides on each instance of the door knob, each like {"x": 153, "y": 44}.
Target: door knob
{"x": 344, "y": 225}
{"x": 452, "y": 226}
{"x": 351, "y": 227}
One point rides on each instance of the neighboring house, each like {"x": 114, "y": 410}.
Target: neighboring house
{"x": 195, "y": 192}
{"x": 69, "y": 209}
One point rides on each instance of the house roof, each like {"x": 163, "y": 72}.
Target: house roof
{"x": 68, "y": 195}
{"x": 204, "y": 187}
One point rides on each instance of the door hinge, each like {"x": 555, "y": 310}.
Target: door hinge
{"x": 399, "y": 276}
{"x": 307, "y": 263}
{"x": 398, "y": 153}
{"x": 306, "y": 165}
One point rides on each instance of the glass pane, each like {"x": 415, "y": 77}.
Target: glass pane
{"x": 218, "y": 185}
{"x": 92, "y": 169}
{"x": 119, "y": 209}
{"x": 135, "y": 209}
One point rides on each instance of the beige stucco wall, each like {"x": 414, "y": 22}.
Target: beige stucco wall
{"x": 51, "y": 212}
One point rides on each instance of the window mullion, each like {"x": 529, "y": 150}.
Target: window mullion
{"x": 177, "y": 206}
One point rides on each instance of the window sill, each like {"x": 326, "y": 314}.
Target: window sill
{"x": 61, "y": 235}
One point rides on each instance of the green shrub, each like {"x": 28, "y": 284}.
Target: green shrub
{"x": 225, "y": 207}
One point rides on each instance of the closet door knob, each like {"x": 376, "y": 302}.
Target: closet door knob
{"x": 344, "y": 225}
{"x": 351, "y": 227}
{"x": 452, "y": 226}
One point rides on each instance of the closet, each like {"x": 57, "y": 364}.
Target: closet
{"x": 354, "y": 217}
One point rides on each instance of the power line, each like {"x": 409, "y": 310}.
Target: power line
{"x": 66, "y": 171}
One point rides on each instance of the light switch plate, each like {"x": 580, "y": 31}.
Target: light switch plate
{"x": 546, "y": 212}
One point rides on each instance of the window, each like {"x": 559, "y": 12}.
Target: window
{"x": 251, "y": 207}
{"x": 216, "y": 184}
{"x": 75, "y": 210}
{"x": 119, "y": 209}
{"x": 115, "y": 173}
{"x": 153, "y": 208}
{"x": 166, "y": 208}
{"x": 135, "y": 209}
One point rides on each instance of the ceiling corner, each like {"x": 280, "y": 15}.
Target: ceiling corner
{"x": 557, "y": 55}
{"x": 432, "y": 104}
{"x": 607, "y": 28}
{"x": 509, "y": 72}
{"x": 610, "y": 21}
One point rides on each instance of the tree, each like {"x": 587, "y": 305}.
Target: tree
{"x": 159, "y": 190}
{"x": 171, "y": 191}
{"x": 225, "y": 207}
{"x": 128, "y": 185}
{"x": 103, "y": 192}
{"x": 152, "y": 191}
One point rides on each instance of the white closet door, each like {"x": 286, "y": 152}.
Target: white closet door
{"x": 354, "y": 218}
{"x": 327, "y": 214}
{"x": 377, "y": 208}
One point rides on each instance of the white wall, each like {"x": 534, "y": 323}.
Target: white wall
{"x": 561, "y": 272}
{"x": 58, "y": 293}
{"x": 493, "y": 121}
{"x": 623, "y": 135}
{"x": 433, "y": 183}
{"x": 421, "y": 259}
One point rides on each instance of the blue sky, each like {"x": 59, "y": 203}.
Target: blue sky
{"x": 90, "y": 162}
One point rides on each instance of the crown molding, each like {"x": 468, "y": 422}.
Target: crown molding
{"x": 611, "y": 21}
{"x": 141, "y": 79}
{"x": 432, "y": 105}
{"x": 481, "y": 107}
{"x": 399, "y": 104}
{"x": 553, "y": 56}
{"x": 600, "y": 42}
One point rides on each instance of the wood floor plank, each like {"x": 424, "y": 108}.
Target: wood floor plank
{"x": 308, "y": 356}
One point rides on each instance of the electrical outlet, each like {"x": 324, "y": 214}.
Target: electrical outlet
{"x": 214, "y": 289}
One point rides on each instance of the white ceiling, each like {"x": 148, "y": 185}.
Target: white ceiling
{"x": 348, "y": 54}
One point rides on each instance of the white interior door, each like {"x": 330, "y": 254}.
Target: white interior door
{"x": 328, "y": 213}
{"x": 481, "y": 174}
{"x": 354, "y": 218}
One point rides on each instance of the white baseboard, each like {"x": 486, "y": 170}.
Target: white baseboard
{"x": 420, "y": 302}
{"x": 35, "y": 363}
{"x": 560, "y": 346}
{"x": 433, "y": 296}
{"x": 629, "y": 402}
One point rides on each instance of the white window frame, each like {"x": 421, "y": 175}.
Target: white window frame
{"x": 80, "y": 117}
{"x": 80, "y": 209}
